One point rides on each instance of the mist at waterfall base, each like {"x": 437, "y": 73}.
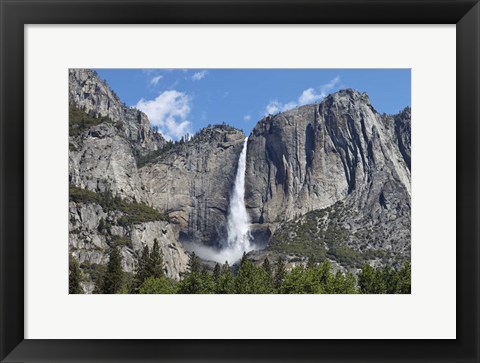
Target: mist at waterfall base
{"x": 239, "y": 238}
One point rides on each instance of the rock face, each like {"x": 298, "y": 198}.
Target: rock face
{"x": 103, "y": 158}
{"x": 92, "y": 95}
{"x": 193, "y": 182}
{"x": 313, "y": 156}
{"x": 340, "y": 150}
{"x": 190, "y": 181}
{"x": 89, "y": 244}
{"x": 403, "y": 132}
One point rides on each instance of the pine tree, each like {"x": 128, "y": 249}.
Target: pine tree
{"x": 196, "y": 283}
{"x": 294, "y": 282}
{"x": 280, "y": 273}
{"x": 155, "y": 267}
{"x": 74, "y": 277}
{"x": 405, "y": 279}
{"x": 323, "y": 276}
{"x": 217, "y": 272}
{"x": 141, "y": 271}
{"x": 208, "y": 284}
{"x": 390, "y": 280}
{"x": 226, "y": 282}
{"x": 252, "y": 279}
{"x": 350, "y": 284}
{"x": 154, "y": 285}
{"x": 113, "y": 278}
{"x": 244, "y": 258}
{"x": 194, "y": 263}
{"x": 268, "y": 274}
{"x": 342, "y": 284}
{"x": 245, "y": 280}
{"x": 369, "y": 281}
{"x": 267, "y": 267}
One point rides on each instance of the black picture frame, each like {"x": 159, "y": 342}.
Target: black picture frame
{"x": 16, "y": 13}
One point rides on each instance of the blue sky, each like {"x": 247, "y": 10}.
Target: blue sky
{"x": 185, "y": 100}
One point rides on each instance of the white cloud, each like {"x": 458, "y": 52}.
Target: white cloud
{"x": 169, "y": 111}
{"x": 247, "y": 118}
{"x": 308, "y": 96}
{"x": 199, "y": 75}
{"x": 154, "y": 81}
{"x": 273, "y": 107}
{"x": 324, "y": 89}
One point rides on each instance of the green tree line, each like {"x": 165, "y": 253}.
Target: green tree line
{"x": 150, "y": 278}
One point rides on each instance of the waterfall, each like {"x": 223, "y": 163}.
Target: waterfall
{"x": 238, "y": 221}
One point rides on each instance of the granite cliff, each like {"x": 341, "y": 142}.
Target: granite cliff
{"x": 340, "y": 156}
{"x": 113, "y": 151}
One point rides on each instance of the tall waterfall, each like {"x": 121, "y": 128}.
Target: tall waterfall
{"x": 238, "y": 221}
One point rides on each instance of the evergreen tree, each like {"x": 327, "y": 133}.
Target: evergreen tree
{"x": 294, "y": 282}
{"x": 113, "y": 278}
{"x": 244, "y": 278}
{"x": 194, "y": 263}
{"x": 208, "y": 284}
{"x": 342, "y": 284}
{"x": 196, "y": 283}
{"x": 154, "y": 285}
{"x": 267, "y": 267}
{"x": 390, "y": 280}
{"x": 268, "y": 274}
{"x": 280, "y": 273}
{"x": 301, "y": 280}
{"x": 196, "y": 280}
{"x": 405, "y": 279}
{"x": 96, "y": 274}
{"x": 226, "y": 283}
{"x": 128, "y": 283}
{"x": 251, "y": 279}
{"x": 323, "y": 274}
{"x": 74, "y": 276}
{"x": 141, "y": 271}
{"x": 369, "y": 281}
{"x": 217, "y": 271}
{"x": 244, "y": 258}
{"x": 155, "y": 266}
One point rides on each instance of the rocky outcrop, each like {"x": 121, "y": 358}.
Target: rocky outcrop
{"x": 340, "y": 150}
{"x": 175, "y": 258}
{"x": 92, "y": 95}
{"x": 192, "y": 182}
{"x": 90, "y": 243}
{"x": 315, "y": 155}
{"x": 104, "y": 158}
{"x": 403, "y": 132}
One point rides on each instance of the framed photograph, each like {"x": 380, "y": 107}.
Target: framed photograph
{"x": 240, "y": 181}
